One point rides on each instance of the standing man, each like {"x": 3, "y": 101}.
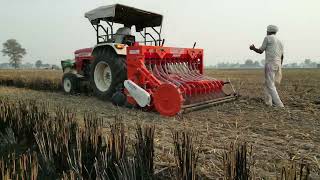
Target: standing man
{"x": 273, "y": 48}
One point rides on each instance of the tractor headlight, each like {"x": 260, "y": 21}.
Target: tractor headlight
{"x": 119, "y": 46}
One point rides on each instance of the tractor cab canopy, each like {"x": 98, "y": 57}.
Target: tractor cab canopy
{"x": 122, "y": 14}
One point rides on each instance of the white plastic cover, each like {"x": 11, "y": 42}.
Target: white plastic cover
{"x": 141, "y": 96}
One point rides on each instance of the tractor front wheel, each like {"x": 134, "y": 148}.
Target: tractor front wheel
{"x": 70, "y": 83}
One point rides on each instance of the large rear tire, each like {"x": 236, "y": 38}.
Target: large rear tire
{"x": 108, "y": 71}
{"x": 70, "y": 83}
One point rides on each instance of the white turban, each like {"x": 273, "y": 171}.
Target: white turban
{"x": 272, "y": 29}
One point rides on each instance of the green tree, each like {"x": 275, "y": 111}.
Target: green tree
{"x": 307, "y": 61}
{"x": 38, "y": 63}
{"x": 14, "y": 51}
{"x": 248, "y": 62}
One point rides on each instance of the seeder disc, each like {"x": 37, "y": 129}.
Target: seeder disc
{"x": 168, "y": 100}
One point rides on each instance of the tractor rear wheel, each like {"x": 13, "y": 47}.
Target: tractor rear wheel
{"x": 70, "y": 83}
{"x": 108, "y": 71}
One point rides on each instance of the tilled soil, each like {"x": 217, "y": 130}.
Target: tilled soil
{"x": 276, "y": 135}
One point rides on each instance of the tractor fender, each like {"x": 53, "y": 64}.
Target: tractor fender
{"x": 122, "y": 51}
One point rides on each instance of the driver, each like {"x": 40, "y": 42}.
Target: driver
{"x": 122, "y": 32}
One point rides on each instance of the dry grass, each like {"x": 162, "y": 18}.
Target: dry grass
{"x": 238, "y": 162}
{"x": 186, "y": 156}
{"x": 54, "y": 145}
{"x": 24, "y": 166}
{"x": 33, "y": 79}
{"x": 295, "y": 171}
{"x": 65, "y": 149}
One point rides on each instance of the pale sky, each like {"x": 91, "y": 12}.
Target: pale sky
{"x": 52, "y": 30}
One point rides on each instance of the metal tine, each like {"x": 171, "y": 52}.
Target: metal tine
{"x": 183, "y": 69}
{"x": 167, "y": 76}
{"x": 198, "y": 77}
{"x": 174, "y": 70}
{"x": 191, "y": 73}
{"x": 184, "y": 72}
{"x": 187, "y": 77}
{"x": 171, "y": 68}
{"x": 188, "y": 73}
{"x": 194, "y": 70}
{"x": 187, "y": 88}
{"x": 190, "y": 76}
{"x": 177, "y": 71}
{"x": 159, "y": 75}
{"x": 212, "y": 95}
{"x": 176, "y": 79}
{"x": 149, "y": 67}
{"x": 207, "y": 77}
{"x": 196, "y": 73}
{"x": 179, "y": 74}
{"x": 179, "y": 66}
{"x": 213, "y": 82}
{"x": 156, "y": 71}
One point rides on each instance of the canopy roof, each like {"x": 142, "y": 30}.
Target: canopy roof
{"x": 122, "y": 14}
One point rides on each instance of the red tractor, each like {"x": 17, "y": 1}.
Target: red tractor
{"x": 142, "y": 73}
{"x": 77, "y": 70}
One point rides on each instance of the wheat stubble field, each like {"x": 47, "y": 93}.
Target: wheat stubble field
{"x": 275, "y": 135}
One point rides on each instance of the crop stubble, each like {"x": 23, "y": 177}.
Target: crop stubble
{"x": 275, "y": 134}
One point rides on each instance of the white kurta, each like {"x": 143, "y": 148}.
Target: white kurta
{"x": 273, "y": 48}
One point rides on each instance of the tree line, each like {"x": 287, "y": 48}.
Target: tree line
{"x": 13, "y": 49}
{"x": 16, "y": 52}
{"x": 307, "y": 63}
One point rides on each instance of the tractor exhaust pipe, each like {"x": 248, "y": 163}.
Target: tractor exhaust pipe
{"x": 194, "y": 45}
